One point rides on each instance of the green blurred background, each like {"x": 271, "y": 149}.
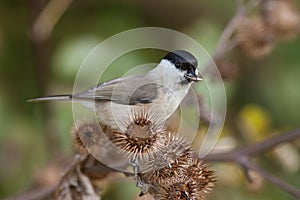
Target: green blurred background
{"x": 263, "y": 99}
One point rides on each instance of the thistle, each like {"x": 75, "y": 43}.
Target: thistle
{"x": 254, "y": 37}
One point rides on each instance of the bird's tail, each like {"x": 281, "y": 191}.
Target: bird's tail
{"x": 52, "y": 98}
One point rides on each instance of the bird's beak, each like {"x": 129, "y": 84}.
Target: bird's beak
{"x": 191, "y": 76}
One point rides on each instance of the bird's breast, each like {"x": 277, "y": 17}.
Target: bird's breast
{"x": 118, "y": 115}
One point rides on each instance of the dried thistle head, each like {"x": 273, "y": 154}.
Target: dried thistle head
{"x": 143, "y": 123}
{"x": 200, "y": 172}
{"x": 164, "y": 163}
{"x": 184, "y": 176}
{"x": 139, "y": 142}
{"x": 193, "y": 180}
{"x": 172, "y": 156}
{"x": 183, "y": 188}
{"x": 89, "y": 138}
{"x": 84, "y": 133}
{"x": 254, "y": 37}
{"x": 135, "y": 147}
{"x": 282, "y": 16}
{"x": 175, "y": 149}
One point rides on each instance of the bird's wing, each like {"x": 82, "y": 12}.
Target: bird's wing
{"x": 128, "y": 90}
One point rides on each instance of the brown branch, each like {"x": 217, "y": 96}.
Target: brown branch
{"x": 43, "y": 16}
{"x": 40, "y": 58}
{"x": 268, "y": 144}
{"x": 49, "y": 191}
{"x": 273, "y": 179}
{"x": 44, "y": 24}
{"x": 255, "y": 149}
{"x": 242, "y": 157}
{"x": 222, "y": 46}
{"x": 226, "y": 43}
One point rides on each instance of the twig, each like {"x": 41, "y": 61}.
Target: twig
{"x": 41, "y": 60}
{"x": 49, "y": 191}
{"x": 44, "y": 24}
{"x": 226, "y": 43}
{"x": 255, "y": 149}
{"x": 242, "y": 157}
{"x": 222, "y": 46}
{"x": 268, "y": 144}
{"x": 43, "y": 16}
{"x": 273, "y": 179}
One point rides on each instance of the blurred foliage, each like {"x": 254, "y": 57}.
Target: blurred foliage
{"x": 265, "y": 97}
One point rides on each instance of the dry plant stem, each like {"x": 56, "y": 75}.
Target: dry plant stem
{"x": 44, "y": 24}
{"x": 255, "y": 149}
{"x": 49, "y": 192}
{"x": 242, "y": 157}
{"x": 103, "y": 168}
{"x": 77, "y": 160}
{"x": 43, "y": 16}
{"x": 226, "y": 42}
{"x": 41, "y": 60}
{"x": 273, "y": 179}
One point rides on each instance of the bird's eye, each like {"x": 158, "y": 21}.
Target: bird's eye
{"x": 177, "y": 64}
{"x": 184, "y": 66}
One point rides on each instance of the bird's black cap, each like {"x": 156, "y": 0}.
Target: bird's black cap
{"x": 182, "y": 60}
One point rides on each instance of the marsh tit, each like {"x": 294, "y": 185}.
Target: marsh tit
{"x": 159, "y": 91}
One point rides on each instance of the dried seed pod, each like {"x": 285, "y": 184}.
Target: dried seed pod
{"x": 163, "y": 162}
{"x": 90, "y": 139}
{"x": 135, "y": 147}
{"x": 143, "y": 123}
{"x": 139, "y": 143}
{"x": 140, "y": 135}
{"x": 159, "y": 176}
{"x": 200, "y": 172}
{"x": 183, "y": 188}
{"x": 171, "y": 160}
{"x": 282, "y": 16}
{"x": 253, "y": 37}
{"x": 175, "y": 149}
{"x": 193, "y": 180}
{"x": 86, "y": 131}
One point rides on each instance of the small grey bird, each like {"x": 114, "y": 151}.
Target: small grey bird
{"x": 159, "y": 91}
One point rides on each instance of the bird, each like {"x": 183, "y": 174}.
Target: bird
{"x": 159, "y": 91}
